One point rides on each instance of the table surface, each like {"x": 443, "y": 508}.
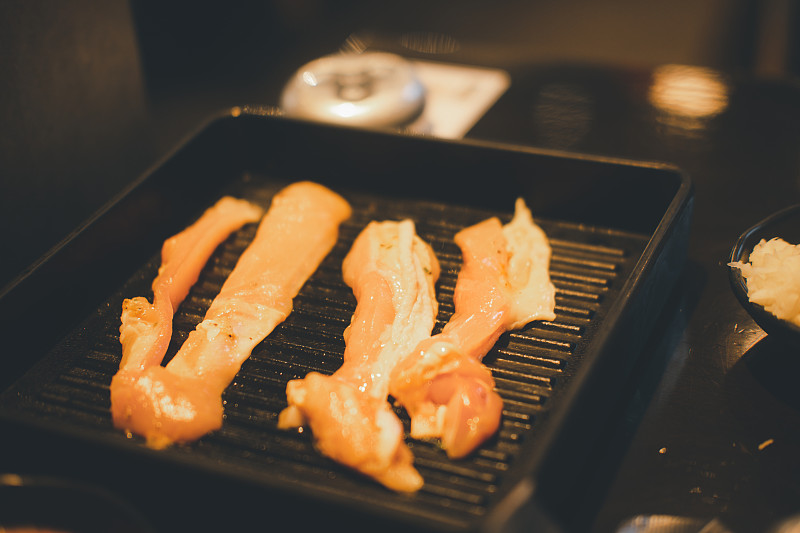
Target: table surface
{"x": 709, "y": 425}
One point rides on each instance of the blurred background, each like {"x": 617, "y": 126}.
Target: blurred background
{"x": 94, "y": 93}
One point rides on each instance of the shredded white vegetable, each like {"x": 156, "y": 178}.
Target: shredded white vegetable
{"x": 773, "y": 278}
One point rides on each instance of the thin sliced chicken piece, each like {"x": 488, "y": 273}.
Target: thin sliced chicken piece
{"x": 504, "y": 284}
{"x": 392, "y": 273}
{"x": 182, "y": 401}
{"x": 147, "y": 328}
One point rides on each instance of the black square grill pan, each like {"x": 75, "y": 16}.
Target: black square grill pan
{"x": 618, "y": 231}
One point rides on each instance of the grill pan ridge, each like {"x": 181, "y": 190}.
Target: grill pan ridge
{"x": 528, "y": 365}
{"x": 533, "y": 367}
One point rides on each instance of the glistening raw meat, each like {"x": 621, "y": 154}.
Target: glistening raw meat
{"x": 392, "y": 273}
{"x": 182, "y": 401}
{"x": 147, "y": 328}
{"x": 503, "y": 284}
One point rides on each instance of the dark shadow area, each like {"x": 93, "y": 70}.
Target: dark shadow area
{"x": 649, "y": 373}
{"x": 763, "y": 389}
{"x": 94, "y": 96}
{"x": 765, "y": 402}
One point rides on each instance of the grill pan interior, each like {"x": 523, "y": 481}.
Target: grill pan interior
{"x": 602, "y": 259}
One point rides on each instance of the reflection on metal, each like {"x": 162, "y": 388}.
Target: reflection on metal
{"x": 562, "y": 115}
{"x": 671, "y": 524}
{"x": 346, "y": 110}
{"x": 370, "y": 89}
{"x": 687, "y": 95}
{"x": 262, "y": 110}
{"x": 310, "y": 79}
{"x": 355, "y": 44}
{"x": 430, "y": 43}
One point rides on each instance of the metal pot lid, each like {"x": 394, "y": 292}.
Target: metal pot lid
{"x": 373, "y": 89}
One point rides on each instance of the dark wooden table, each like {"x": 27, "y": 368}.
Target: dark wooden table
{"x": 711, "y": 426}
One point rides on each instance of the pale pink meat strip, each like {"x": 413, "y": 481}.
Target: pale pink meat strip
{"x": 183, "y": 400}
{"x": 147, "y": 328}
{"x": 503, "y": 284}
{"x": 392, "y": 273}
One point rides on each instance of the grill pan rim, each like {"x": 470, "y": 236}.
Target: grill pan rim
{"x": 670, "y": 228}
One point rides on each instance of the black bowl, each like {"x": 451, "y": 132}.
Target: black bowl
{"x": 48, "y": 503}
{"x": 786, "y": 225}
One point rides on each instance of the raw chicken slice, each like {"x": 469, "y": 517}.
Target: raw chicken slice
{"x": 147, "y": 328}
{"x": 504, "y": 283}
{"x": 183, "y": 400}
{"x": 392, "y": 273}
